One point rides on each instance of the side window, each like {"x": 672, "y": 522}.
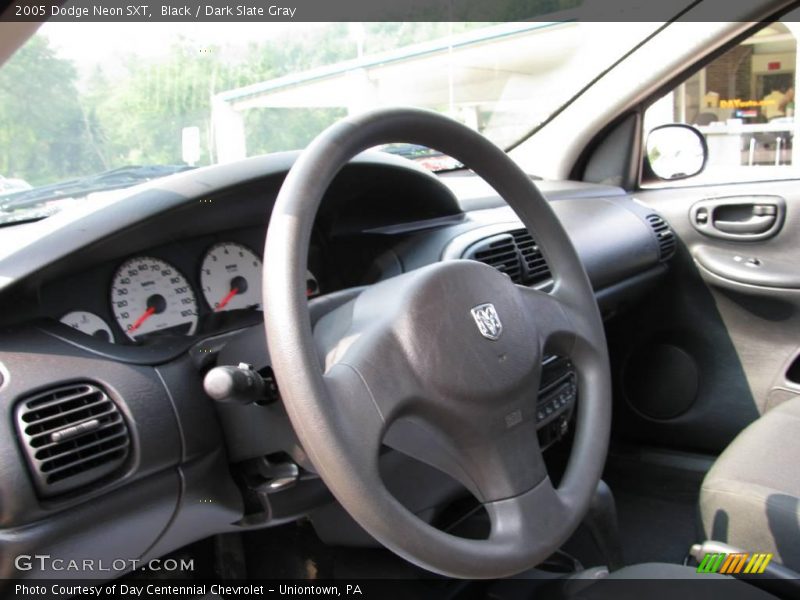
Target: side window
{"x": 743, "y": 103}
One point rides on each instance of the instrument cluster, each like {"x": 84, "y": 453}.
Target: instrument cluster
{"x": 150, "y": 296}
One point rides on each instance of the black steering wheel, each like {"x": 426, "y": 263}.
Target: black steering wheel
{"x": 442, "y": 362}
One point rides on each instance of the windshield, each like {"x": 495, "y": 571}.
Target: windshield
{"x": 87, "y": 99}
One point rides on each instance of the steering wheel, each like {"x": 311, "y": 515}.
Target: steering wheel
{"x": 442, "y": 362}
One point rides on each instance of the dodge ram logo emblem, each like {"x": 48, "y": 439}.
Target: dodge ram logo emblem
{"x": 488, "y": 321}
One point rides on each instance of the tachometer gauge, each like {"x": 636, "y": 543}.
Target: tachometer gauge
{"x": 231, "y": 277}
{"x": 88, "y": 323}
{"x": 150, "y": 296}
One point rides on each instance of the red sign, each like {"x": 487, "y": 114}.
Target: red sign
{"x": 775, "y": 65}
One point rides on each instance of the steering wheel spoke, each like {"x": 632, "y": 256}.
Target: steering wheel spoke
{"x": 499, "y": 459}
{"x": 556, "y": 322}
{"x": 359, "y": 336}
{"x": 536, "y": 514}
{"x": 356, "y": 417}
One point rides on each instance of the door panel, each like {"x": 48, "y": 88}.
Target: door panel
{"x": 729, "y": 311}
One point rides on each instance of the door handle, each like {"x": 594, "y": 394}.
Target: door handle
{"x": 740, "y": 218}
{"x": 754, "y": 224}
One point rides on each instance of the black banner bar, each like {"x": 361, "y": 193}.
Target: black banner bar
{"x": 385, "y": 589}
{"x": 378, "y": 10}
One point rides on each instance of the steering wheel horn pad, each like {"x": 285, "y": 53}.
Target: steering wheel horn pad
{"x": 442, "y": 363}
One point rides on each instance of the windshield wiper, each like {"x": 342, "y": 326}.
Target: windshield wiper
{"x": 108, "y": 180}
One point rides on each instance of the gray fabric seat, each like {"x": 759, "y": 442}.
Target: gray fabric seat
{"x": 751, "y": 496}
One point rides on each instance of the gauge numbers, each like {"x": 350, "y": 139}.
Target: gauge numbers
{"x": 150, "y": 296}
{"x": 231, "y": 277}
{"x": 88, "y": 323}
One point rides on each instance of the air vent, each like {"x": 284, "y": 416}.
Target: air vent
{"x": 514, "y": 253}
{"x": 500, "y": 252}
{"x": 535, "y": 269}
{"x": 664, "y": 235}
{"x": 72, "y": 435}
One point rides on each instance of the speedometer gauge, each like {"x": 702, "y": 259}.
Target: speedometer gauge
{"x": 150, "y": 296}
{"x": 231, "y": 277}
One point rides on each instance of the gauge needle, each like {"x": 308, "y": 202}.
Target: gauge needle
{"x": 146, "y": 315}
{"x": 227, "y": 299}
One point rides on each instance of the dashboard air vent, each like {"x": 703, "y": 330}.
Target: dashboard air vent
{"x": 72, "y": 435}
{"x": 514, "y": 253}
{"x": 535, "y": 269}
{"x": 500, "y": 252}
{"x": 665, "y": 236}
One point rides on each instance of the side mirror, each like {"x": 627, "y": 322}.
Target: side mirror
{"x": 676, "y": 151}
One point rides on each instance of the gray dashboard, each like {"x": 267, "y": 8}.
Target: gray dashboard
{"x": 382, "y": 216}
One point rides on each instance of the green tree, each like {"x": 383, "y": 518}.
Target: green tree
{"x": 143, "y": 112}
{"x": 44, "y": 134}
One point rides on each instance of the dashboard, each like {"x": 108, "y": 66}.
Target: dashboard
{"x": 118, "y": 307}
{"x": 198, "y": 272}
